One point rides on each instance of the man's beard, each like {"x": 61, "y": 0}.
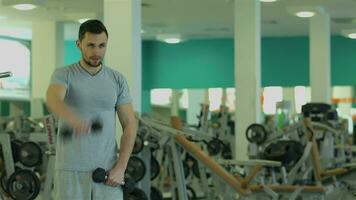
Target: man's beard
{"x": 90, "y": 64}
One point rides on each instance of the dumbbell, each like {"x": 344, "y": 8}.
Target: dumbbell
{"x": 100, "y": 176}
{"x": 96, "y": 126}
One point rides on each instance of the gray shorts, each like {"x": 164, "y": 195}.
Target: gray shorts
{"x": 75, "y": 185}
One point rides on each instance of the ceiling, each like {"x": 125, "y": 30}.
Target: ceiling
{"x": 189, "y": 18}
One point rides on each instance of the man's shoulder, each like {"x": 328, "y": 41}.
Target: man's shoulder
{"x": 113, "y": 72}
{"x": 68, "y": 69}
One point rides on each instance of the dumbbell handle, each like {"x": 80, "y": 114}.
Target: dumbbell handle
{"x": 96, "y": 125}
{"x": 100, "y": 176}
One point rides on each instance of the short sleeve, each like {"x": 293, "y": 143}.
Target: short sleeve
{"x": 59, "y": 77}
{"x": 123, "y": 92}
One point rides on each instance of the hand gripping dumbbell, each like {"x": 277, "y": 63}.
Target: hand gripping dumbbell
{"x": 100, "y": 176}
{"x": 96, "y": 126}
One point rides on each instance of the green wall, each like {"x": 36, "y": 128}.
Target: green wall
{"x": 71, "y": 52}
{"x": 343, "y": 61}
{"x": 210, "y": 63}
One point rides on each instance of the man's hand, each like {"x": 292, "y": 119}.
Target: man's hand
{"x": 79, "y": 126}
{"x": 116, "y": 177}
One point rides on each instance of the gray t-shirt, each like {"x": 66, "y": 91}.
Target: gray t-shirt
{"x": 90, "y": 97}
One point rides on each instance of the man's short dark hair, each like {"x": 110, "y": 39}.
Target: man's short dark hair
{"x": 92, "y": 26}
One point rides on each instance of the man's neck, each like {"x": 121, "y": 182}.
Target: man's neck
{"x": 91, "y": 70}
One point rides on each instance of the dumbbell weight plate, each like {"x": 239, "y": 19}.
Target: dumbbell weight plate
{"x": 23, "y": 185}
{"x": 155, "y": 194}
{"x": 136, "y": 194}
{"x": 155, "y": 168}
{"x": 214, "y": 146}
{"x": 138, "y": 146}
{"x": 3, "y": 180}
{"x": 226, "y": 152}
{"x": 136, "y": 169}
{"x": 30, "y": 154}
{"x": 256, "y": 133}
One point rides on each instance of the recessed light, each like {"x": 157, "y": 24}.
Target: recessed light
{"x": 268, "y": 1}
{"x": 169, "y": 38}
{"x": 305, "y": 14}
{"x": 352, "y": 35}
{"x": 172, "y": 40}
{"x": 83, "y": 20}
{"x": 25, "y": 6}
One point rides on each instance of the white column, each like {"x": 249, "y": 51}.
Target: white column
{"x": 320, "y": 79}
{"x": 47, "y": 54}
{"x": 247, "y": 70}
{"x": 123, "y": 21}
{"x": 196, "y": 98}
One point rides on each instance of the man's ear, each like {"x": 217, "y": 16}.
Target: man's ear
{"x": 78, "y": 44}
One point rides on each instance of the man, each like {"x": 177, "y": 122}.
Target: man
{"x": 77, "y": 95}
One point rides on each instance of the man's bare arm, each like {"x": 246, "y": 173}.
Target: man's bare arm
{"x": 56, "y": 105}
{"x": 129, "y": 125}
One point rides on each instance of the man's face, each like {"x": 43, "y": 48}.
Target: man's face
{"x": 93, "y": 47}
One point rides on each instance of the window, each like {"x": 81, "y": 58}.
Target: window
{"x": 230, "y": 99}
{"x": 215, "y": 95}
{"x": 161, "y": 97}
{"x": 271, "y": 95}
{"x": 15, "y": 57}
{"x": 302, "y": 96}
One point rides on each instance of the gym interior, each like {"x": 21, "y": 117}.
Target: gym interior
{"x": 234, "y": 99}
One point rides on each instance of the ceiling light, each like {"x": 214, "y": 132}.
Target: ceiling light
{"x": 25, "y": 6}
{"x": 305, "y": 14}
{"x": 172, "y": 40}
{"x": 169, "y": 38}
{"x": 352, "y": 35}
{"x": 83, "y": 20}
{"x": 268, "y": 1}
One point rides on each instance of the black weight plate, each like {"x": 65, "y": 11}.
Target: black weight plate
{"x": 215, "y": 146}
{"x": 155, "y": 194}
{"x": 256, "y": 133}
{"x": 136, "y": 194}
{"x": 226, "y": 152}
{"x": 287, "y": 152}
{"x": 23, "y": 185}
{"x": 155, "y": 168}
{"x": 30, "y": 154}
{"x": 3, "y": 180}
{"x": 138, "y": 146}
{"x": 136, "y": 169}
